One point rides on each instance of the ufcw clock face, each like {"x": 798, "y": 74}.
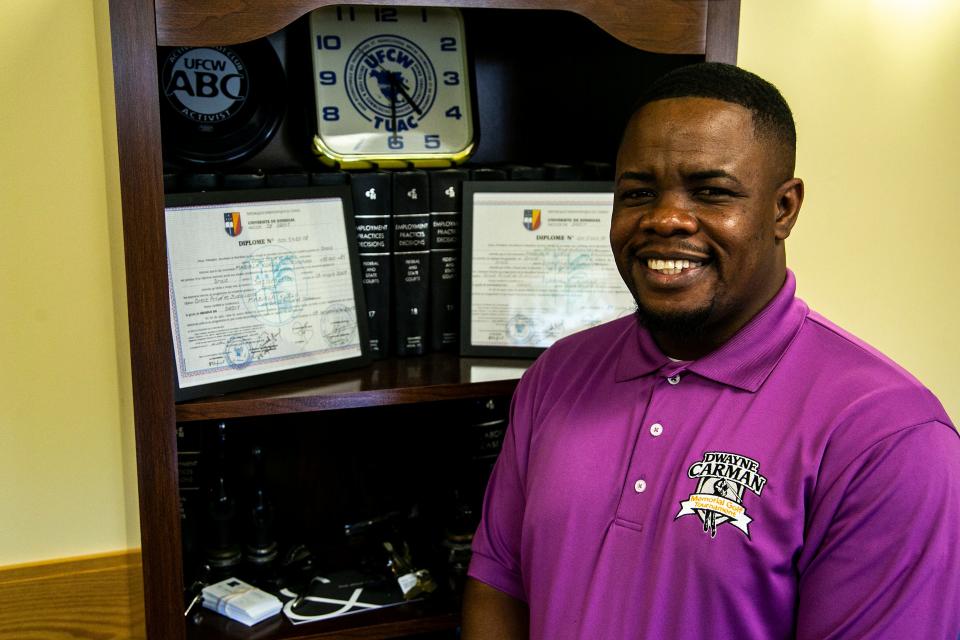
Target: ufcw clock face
{"x": 392, "y": 83}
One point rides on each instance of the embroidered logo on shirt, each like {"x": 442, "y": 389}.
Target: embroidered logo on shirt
{"x": 722, "y": 479}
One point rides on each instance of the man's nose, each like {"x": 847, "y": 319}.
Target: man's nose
{"x": 670, "y": 215}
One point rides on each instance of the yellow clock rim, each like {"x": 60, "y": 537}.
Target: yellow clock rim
{"x": 362, "y": 161}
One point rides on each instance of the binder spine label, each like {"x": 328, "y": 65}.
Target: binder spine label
{"x": 412, "y": 261}
{"x": 445, "y": 279}
{"x": 374, "y": 241}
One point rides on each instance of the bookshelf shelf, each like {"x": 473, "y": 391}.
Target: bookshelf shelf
{"x": 385, "y": 382}
{"x": 676, "y": 29}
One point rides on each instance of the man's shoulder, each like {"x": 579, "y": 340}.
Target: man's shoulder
{"x": 842, "y": 350}
{"x": 862, "y": 377}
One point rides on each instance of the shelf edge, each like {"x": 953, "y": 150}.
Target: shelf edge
{"x": 657, "y": 26}
{"x": 287, "y": 405}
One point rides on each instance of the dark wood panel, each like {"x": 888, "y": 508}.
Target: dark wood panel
{"x": 661, "y": 26}
{"x": 133, "y": 40}
{"x": 95, "y": 597}
{"x": 385, "y": 382}
{"x": 723, "y": 25}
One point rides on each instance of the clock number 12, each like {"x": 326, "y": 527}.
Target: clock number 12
{"x": 385, "y": 14}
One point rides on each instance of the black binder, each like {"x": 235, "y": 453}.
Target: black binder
{"x": 290, "y": 178}
{"x": 252, "y": 180}
{"x": 194, "y": 182}
{"x": 372, "y": 214}
{"x": 329, "y": 178}
{"x": 524, "y": 172}
{"x": 488, "y": 174}
{"x": 411, "y": 261}
{"x": 446, "y": 213}
{"x": 559, "y": 171}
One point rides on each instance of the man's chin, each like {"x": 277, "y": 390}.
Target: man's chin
{"x": 679, "y": 323}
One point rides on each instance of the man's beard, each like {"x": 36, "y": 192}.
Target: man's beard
{"x": 678, "y": 324}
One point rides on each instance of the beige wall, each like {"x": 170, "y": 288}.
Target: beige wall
{"x": 67, "y": 485}
{"x": 874, "y": 86}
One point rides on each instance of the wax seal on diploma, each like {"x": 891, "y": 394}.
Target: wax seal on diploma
{"x": 220, "y": 105}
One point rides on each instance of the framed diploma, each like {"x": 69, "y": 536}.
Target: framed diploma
{"x": 264, "y": 287}
{"x": 537, "y": 265}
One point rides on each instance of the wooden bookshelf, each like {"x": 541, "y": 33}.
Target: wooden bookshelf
{"x": 704, "y": 29}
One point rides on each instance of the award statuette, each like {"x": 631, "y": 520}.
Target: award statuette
{"x": 260, "y": 546}
{"x": 222, "y": 553}
{"x": 392, "y": 85}
{"x": 413, "y": 582}
{"x": 219, "y": 104}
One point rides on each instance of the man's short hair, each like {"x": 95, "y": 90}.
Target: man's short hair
{"x": 771, "y": 113}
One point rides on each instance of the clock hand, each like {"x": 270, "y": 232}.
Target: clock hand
{"x": 406, "y": 96}
{"x": 393, "y": 102}
{"x": 397, "y": 85}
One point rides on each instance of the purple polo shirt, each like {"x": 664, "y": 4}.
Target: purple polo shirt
{"x": 795, "y": 483}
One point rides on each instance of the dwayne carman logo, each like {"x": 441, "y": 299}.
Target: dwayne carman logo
{"x": 390, "y": 79}
{"x": 205, "y": 84}
{"x": 531, "y": 219}
{"x": 723, "y": 479}
{"x": 231, "y": 223}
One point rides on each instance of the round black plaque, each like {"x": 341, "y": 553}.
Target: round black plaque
{"x": 220, "y": 105}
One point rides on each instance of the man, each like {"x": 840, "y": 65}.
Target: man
{"x": 728, "y": 463}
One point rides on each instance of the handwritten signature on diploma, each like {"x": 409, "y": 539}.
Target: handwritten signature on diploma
{"x": 266, "y": 343}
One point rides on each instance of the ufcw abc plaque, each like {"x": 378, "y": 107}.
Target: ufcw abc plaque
{"x": 220, "y": 105}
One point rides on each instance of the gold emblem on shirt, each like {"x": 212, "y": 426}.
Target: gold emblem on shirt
{"x": 722, "y": 479}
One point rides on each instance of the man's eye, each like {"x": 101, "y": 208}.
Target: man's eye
{"x": 637, "y": 194}
{"x": 713, "y": 193}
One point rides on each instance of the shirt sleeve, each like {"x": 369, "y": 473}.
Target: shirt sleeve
{"x": 497, "y": 542}
{"x": 882, "y": 552}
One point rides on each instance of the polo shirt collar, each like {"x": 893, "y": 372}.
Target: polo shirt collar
{"x": 744, "y": 361}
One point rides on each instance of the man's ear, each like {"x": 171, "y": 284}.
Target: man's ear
{"x": 789, "y": 199}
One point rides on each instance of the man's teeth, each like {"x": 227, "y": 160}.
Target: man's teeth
{"x": 671, "y": 267}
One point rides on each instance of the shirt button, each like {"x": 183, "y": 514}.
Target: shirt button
{"x": 656, "y": 429}
{"x": 640, "y": 486}
{"x": 674, "y": 380}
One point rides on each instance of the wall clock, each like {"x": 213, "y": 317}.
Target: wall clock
{"x": 392, "y": 86}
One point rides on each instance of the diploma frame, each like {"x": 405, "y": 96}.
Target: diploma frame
{"x": 300, "y": 366}
{"x": 472, "y": 287}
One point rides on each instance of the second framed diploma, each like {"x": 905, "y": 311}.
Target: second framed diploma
{"x": 263, "y": 287}
{"x": 537, "y": 265}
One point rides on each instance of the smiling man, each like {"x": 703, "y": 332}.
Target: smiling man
{"x": 704, "y": 202}
{"x": 727, "y": 463}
